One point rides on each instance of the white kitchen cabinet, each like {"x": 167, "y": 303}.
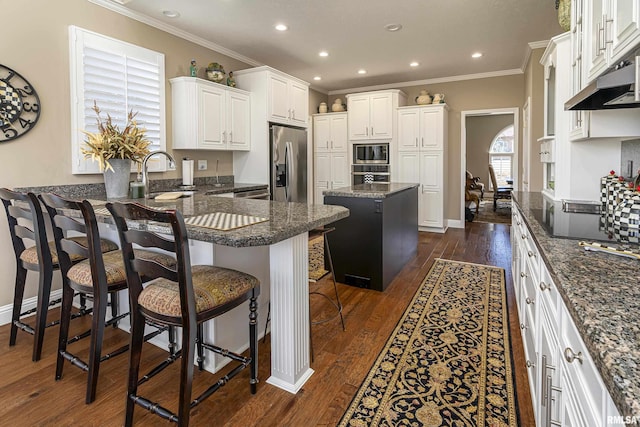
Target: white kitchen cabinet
{"x": 420, "y": 128}
{"x": 424, "y": 130}
{"x": 331, "y": 171}
{"x": 612, "y": 30}
{"x": 566, "y": 387}
{"x": 331, "y": 155}
{"x": 273, "y": 94}
{"x": 289, "y": 100}
{"x": 209, "y": 116}
{"x": 372, "y": 114}
{"x": 330, "y": 132}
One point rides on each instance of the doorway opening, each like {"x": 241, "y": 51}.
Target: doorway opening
{"x": 488, "y": 136}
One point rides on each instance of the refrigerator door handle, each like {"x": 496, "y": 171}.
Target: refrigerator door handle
{"x": 289, "y": 168}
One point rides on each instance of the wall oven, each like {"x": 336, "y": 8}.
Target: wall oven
{"x": 370, "y": 174}
{"x": 371, "y": 154}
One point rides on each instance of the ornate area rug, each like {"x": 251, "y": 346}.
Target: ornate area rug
{"x": 316, "y": 259}
{"x": 448, "y": 361}
{"x": 502, "y": 215}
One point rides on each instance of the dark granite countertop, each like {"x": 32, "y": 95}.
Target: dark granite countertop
{"x": 602, "y": 294}
{"x": 285, "y": 220}
{"x": 370, "y": 191}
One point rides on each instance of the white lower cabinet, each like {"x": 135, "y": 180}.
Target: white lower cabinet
{"x": 331, "y": 171}
{"x": 427, "y": 169}
{"x": 566, "y": 387}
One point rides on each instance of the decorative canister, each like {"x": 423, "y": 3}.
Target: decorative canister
{"x": 337, "y": 105}
{"x": 438, "y": 98}
{"x": 626, "y": 225}
{"x": 424, "y": 98}
{"x": 322, "y": 108}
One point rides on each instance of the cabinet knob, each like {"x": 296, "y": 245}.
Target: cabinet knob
{"x": 545, "y": 286}
{"x": 570, "y": 355}
{"x": 523, "y": 326}
{"x": 530, "y": 253}
{"x": 529, "y": 300}
{"x": 523, "y": 274}
{"x": 524, "y": 236}
{"x": 530, "y": 364}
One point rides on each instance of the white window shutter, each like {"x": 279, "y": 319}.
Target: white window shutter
{"x": 119, "y": 77}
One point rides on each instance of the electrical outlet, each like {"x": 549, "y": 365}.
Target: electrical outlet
{"x": 202, "y": 165}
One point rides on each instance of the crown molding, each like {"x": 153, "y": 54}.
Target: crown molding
{"x": 116, "y": 6}
{"x": 490, "y": 74}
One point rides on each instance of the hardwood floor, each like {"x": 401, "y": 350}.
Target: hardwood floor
{"x": 31, "y": 397}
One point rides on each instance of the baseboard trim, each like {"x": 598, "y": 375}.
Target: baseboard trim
{"x": 455, "y": 223}
{"x": 27, "y": 304}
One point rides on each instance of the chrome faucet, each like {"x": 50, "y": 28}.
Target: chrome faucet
{"x": 145, "y": 178}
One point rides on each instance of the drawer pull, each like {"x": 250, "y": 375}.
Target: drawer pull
{"x": 530, "y": 300}
{"x": 524, "y": 236}
{"x": 523, "y": 326}
{"x": 530, "y": 253}
{"x": 523, "y": 274}
{"x": 530, "y": 364}
{"x": 570, "y": 355}
{"x": 545, "y": 286}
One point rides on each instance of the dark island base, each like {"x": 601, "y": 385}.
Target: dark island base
{"x": 370, "y": 247}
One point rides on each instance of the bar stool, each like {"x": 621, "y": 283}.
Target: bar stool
{"x": 100, "y": 276}
{"x": 313, "y": 234}
{"x": 185, "y": 296}
{"x": 26, "y": 221}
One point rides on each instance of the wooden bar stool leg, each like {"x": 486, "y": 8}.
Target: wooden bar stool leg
{"x": 21, "y": 278}
{"x": 95, "y": 348}
{"x": 44, "y": 291}
{"x": 135, "y": 354}
{"x": 114, "y": 308}
{"x": 253, "y": 344}
{"x": 200, "y": 349}
{"x": 65, "y": 319}
{"x": 189, "y": 333}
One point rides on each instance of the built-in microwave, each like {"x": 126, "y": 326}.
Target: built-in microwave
{"x": 371, "y": 153}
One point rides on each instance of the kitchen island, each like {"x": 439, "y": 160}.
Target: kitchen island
{"x": 601, "y": 294}
{"x": 370, "y": 247}
{"x": 275, "y": 251}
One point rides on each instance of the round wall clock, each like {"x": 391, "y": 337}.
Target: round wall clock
{"x": 19, "y": 105}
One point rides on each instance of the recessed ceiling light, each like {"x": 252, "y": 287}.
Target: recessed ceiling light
{"x": 476, "y": 55}
{"x": 170, "y": 13}
{"x": 414, "y": 64}
{"x": 317, "y": 78}
{"x": 281, "y": 27}
{"x": 324, "y": 53}
{"x": 362, "y": 71}
{"x": 393, "y": 27}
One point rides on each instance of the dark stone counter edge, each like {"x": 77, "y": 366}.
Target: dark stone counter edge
{"x": 618, "y": 395}
{"x": 375, "y": 193}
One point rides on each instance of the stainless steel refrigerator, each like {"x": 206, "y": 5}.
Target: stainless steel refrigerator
{"x": 288, "y": 156}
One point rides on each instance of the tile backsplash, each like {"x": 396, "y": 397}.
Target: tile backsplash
{"x": 630, "y": 152}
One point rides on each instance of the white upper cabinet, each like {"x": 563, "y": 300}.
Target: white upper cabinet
{"x": 209, "y": 116}
{"x": 420, "y": 128}
{"x": 289, "y": 100}
{"x": 330, "y": 132}
{"x": 612, "y": 30}
{"x": 331, "y": 155}
{"x": 285, "y": 98}
{"x": 372, "y": 114}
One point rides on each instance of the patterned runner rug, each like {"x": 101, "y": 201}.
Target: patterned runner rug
{"x": 316, "y": 259}
{"x": 448, "y": 361}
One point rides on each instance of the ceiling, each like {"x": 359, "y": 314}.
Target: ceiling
{"x": 440, "y": 35}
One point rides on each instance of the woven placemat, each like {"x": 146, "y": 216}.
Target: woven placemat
{"x": 223, "y": 221}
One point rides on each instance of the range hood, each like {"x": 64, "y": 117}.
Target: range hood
{"x": 617, "y": 89}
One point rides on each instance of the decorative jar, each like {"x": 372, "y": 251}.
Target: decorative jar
{"x": 323, "y": 107}
{"x": 424, "y": 98}
{"x": 337, "y": 105}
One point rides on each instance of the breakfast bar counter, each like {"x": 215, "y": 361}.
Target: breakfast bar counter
{"x": 602, "y": 295}
{"x": 275, "y": 250}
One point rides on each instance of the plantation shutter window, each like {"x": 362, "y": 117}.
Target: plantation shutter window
{"x": 501, "y": 155}
{"x": 119, "y": 77}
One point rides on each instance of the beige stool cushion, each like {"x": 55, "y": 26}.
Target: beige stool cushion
{"x": 213, "y": 287}
{"x": 114, "y": 266}
{"x": 30, "y": 255}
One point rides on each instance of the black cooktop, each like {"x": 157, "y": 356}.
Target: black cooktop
{"x": 583, "y": 226}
